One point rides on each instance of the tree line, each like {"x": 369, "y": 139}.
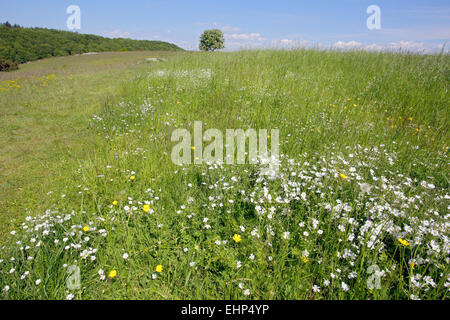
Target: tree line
{"x": 19, "y": 44}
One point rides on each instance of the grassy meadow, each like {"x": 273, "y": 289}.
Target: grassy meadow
{"x": 359, "y": 209}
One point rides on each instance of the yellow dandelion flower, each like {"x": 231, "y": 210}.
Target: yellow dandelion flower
{"x": 146, "y": 207}
{"x": 403, "y": 242}
{"x": 193, "y": 148}
{"x": 86, "y": 229}
{"x": 114, "y": 203}
{"x": 159, "y": 268}
{"x": 343, "y": 176}
{"x": 112, "y": 274}
{"x": 237, "y": 238}
{"x": 412, "y": 264}
{"x": 132, "y": 178}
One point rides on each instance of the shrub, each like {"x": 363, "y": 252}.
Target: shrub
{"x": 8, "y": 65}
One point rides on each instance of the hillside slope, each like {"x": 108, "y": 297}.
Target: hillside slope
{"x": 29, "y": 44}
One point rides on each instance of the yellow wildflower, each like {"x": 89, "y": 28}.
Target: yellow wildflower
{"x": 403, "y": 242}
{"x": 112, "y": 274}
{"x": 86, "y": 229}
{"x": 159, "y": 268}
{"x": 343, "y": 176}
{"x": 146, "y": 207}
{"x": 114, "y": 203}
{"x": 132, "y": 178}
{"x": 237, "y": 238}
{"x": 305, "y": 259}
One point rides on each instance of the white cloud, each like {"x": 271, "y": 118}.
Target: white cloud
{"x": 410, "y": 46}
{"x": 230, "y": 29}
{"x": 442, "y": 47}
{"x": 418, "y": 34}
{"x": 347, "y": 45}
{"x": 290, "y": 43}
{"x": 238, "y": 45}
{"x": 242, "y": 40}
{"x": 117, "y": 34}
{"x": 407, "y": 45}
{"x": 245, "y": 36}
{"x": 374, "y": 47}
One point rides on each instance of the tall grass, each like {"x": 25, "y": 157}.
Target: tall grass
{"x": 363, "y": 182}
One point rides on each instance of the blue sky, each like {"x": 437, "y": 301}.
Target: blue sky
{"x": 413, "y": 24}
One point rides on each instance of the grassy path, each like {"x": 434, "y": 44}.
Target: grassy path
{"x": 45, "y": 108}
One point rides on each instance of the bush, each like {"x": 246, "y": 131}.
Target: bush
{"x": 8, "y": 65}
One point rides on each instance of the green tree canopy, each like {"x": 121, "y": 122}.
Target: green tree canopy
{"x": 212, "y": 40}
{"x": 27, "y": 44}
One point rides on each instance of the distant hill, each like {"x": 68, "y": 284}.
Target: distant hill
{"x": 27, "y": 44}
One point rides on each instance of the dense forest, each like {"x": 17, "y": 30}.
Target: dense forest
{"x": 19, "y": 44}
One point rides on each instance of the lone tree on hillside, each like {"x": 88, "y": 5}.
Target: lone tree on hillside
{"x": 212, "y": 40}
